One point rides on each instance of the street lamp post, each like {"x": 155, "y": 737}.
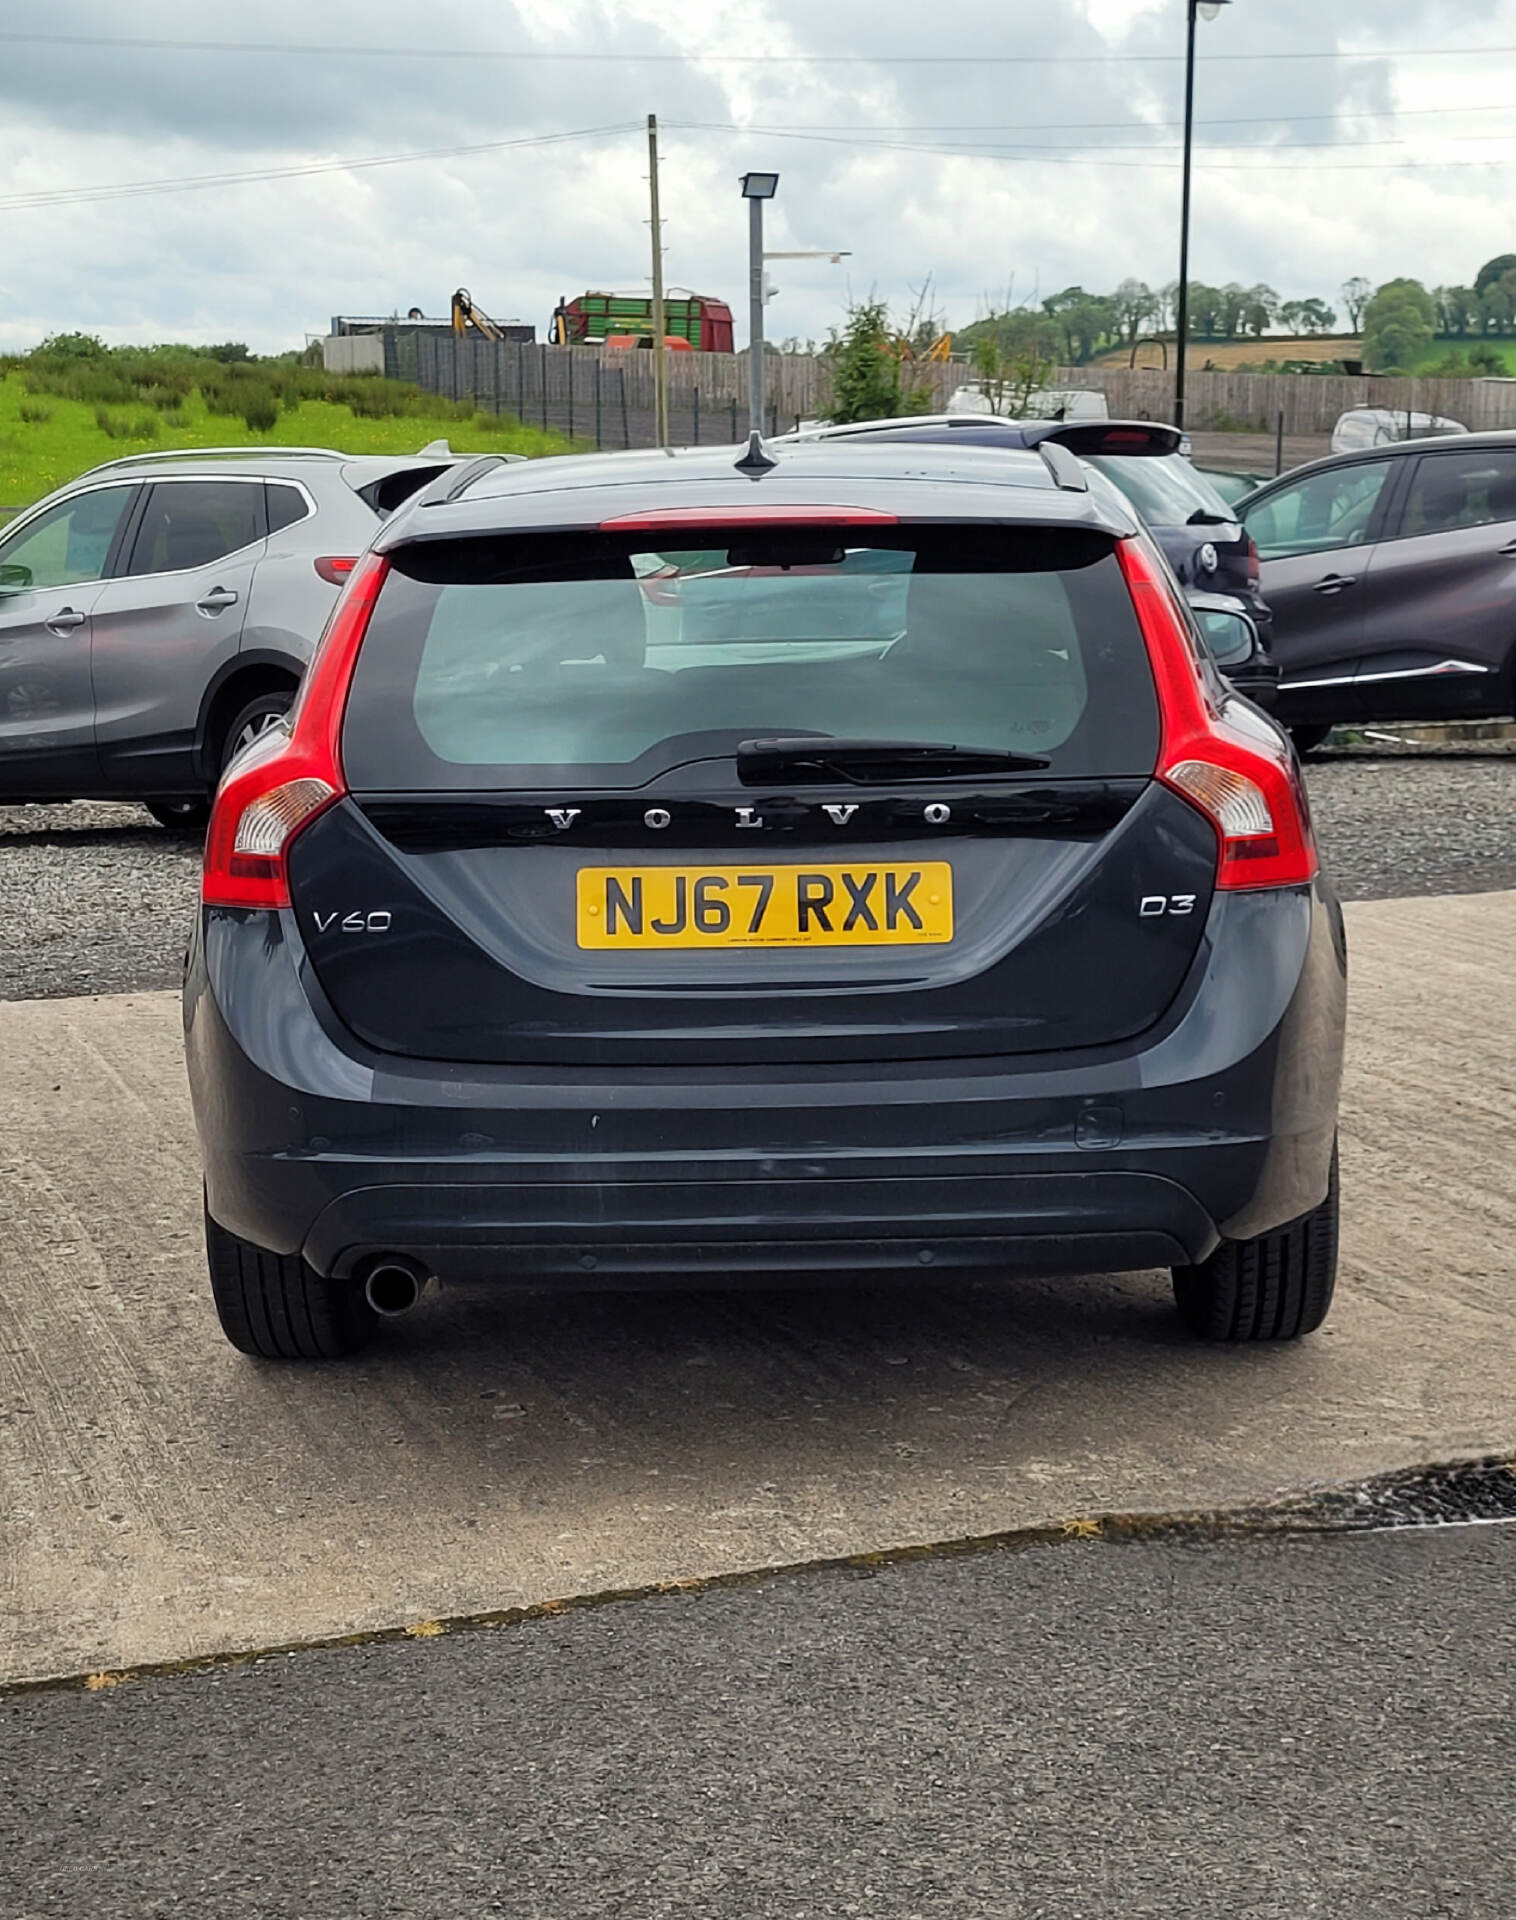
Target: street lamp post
{"x": 756, "y": 188}
{"x": 1206, "y": 9}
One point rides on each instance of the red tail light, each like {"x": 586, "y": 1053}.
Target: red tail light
{"x": 1253, "y": 568}
{"x": 335, "y": 567}
{"x": 286, "y": 779}
{"x": 1245, "y": 783}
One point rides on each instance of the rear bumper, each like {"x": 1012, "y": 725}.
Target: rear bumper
{"x": 1218, "y": 1124}
{"x": 649, "y": 1232}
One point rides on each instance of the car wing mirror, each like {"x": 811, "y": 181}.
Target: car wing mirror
{"x": 1230, "y": 635}
{"x": 15, "y": 579}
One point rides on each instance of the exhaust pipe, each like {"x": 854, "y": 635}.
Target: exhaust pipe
{"x": 393, "y": 1287}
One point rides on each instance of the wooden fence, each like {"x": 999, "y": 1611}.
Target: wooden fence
{"x": 1310, "y": 402}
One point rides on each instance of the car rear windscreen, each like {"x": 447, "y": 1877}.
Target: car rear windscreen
{"x": 607, "y": 659}
{"x": 1165, "y": 489}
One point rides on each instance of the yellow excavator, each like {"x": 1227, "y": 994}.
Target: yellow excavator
{"x": 466, "y": 315}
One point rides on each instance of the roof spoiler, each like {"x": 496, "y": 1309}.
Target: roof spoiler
{"x": 1068, "y": 474}
{"x": 454, "y": 482}
{"x": 1091, "y": 437}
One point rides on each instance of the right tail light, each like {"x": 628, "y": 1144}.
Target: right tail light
{"x": 1245, "y": 783}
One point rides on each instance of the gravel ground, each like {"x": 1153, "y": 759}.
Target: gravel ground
{"x": 97, "y": 898}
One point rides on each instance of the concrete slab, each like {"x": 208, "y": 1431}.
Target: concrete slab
{"x": 162, "y": 1497}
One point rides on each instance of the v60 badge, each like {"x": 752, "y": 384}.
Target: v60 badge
{"x": 378, "y": 922}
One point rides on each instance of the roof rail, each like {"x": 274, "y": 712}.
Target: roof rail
{"x": 206, "y": 453}
{"x": 1065, "y": 467}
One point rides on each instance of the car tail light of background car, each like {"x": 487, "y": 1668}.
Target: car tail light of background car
{"x": 1248, "y": 789}
{"x": 334, "y": 568}
{"x": 286, "y": 779}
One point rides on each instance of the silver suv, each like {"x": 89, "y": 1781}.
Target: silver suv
{"x": 157, "y": 613}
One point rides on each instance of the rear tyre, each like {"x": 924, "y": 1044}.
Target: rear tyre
{"x": 1308, "y": 739}
{"x": 275, "y": 1307}
{"x": 1276, "y": 1287}
{"x": 256, "y": 717}
{"x": 180, "y": 816}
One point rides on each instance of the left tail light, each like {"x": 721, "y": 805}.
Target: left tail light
{"x": 1255, "y": 571}
{"x": 1246, "y": 783}
{"x": 290, "y": 776}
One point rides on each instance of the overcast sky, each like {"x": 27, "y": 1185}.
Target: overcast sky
{"x": 996, "y": 145}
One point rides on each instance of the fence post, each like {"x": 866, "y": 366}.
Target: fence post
{"x": 542, "y": 370}
{"x": 598, "y": 439}
{"x": 626, "y": 430}
{"x": 520, "y": 407}
{"x": 571, "y": 393}
{"x": 1279, "y": 444}
{"x": 696, "y": 432}
{"x": 734, "y": 420}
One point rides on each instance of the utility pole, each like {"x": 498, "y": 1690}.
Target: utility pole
{"x": 660, "y": 359}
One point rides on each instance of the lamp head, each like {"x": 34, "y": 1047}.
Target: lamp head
{"x": 1208, "y": 9}
{"x": 759, "y": 186}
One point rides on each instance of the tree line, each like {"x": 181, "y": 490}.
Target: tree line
{"x": 1071, "y": 327}
{"x": 1398, "y": 320}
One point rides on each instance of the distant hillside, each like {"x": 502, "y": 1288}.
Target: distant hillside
{"x": 1227, "y": 354}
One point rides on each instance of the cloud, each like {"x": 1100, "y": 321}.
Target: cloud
{"x": 864, "y": 144}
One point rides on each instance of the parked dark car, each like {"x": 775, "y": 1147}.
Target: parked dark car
{"x": 1196, "y": 528}
{"x": 1392, "y": 576}
{"x": 548, "y": 943}
{"x": 157, "y": 613}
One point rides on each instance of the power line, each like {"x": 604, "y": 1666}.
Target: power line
{"x": 135, "y": 189}
{"x": 1122, "y": 126}
{"x": 1017, "y": 147}
{"x": 855, "y": 139}
{"x": 1044, "y": 156}
{"x": 714, "y": 56}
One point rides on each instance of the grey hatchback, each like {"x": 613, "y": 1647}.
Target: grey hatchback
{"x": 157, "y": 613}
{"x": 844, "y": 861}
{"x": 1392, "y": 576}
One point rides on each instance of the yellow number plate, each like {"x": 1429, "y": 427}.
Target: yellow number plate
{"x": 821, "y": 906}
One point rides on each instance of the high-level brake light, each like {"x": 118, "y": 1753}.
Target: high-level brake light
{"x": 659, "y": 519}
{"x": 1247, "y": 786}
{"x": 285, "y": 780}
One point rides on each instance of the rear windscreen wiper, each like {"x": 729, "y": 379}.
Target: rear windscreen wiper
{"x": 817, "y": 756}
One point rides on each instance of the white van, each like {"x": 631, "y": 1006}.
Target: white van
{"x": 1366, "y": 427}
{"x": 1046, "y": 403}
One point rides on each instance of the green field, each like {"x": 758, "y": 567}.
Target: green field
{"x": 38, "y": 454}
{"x": 1441, "y": 349}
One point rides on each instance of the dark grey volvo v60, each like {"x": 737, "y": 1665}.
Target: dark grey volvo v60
{"x": 686, "y": 867}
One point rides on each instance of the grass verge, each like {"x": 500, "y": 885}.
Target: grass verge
{"x": 43, "y": 445}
